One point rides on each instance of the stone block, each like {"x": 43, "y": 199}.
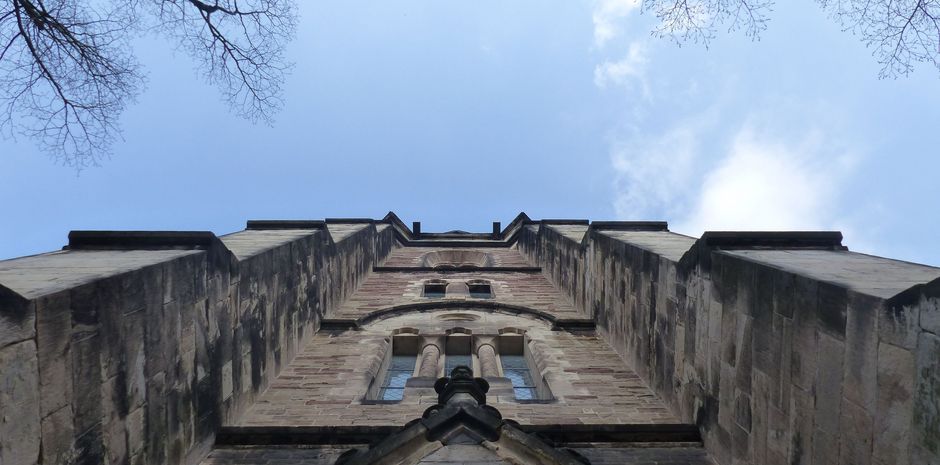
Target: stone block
{"x": 136, "y": 426}
{"x": 894, "y": 414}
{"x": 780, "y": 374}
{"x": 199, "y": 276}
{"x": 178, "y": 280}
{"x": 17, "y": 318}
{"x": 804, "y": 348}
{"x": 759, "y": 400}
{"x": 110, "y": 328}
{"x": 861, "y": 351}
{"x": 53, "y": 336}
{"x": 156, "y": 419}
{"x": 899, "y": 325}
{"x": 802, "y": 427}
{"x": 828, "y": 386}
{"x": 57, "y": 437}
{"x": 784, "y": 290}
{"x": 778, "y": 434}
{"x": 133, "y": 297}
{"x": 926, "y": 431}
{"x": 744, "y": 357}
{"x": 742, "y": 410}
{"x": 831, "y": 309}
{"x": 729, "y": 331}
{"x": 726, "y": 400}
{"x": 825, "y": 447}
{"x": 89, "y": 446}
{"x": 930, "y": 314}
{"x": 227, "y": 381}
{"x": 740, "y": 446}
{"x": 19, "y": 400}
{"x": 713, "y": 353}
{"x": 856, "y": 432}
{"x": 114, "y": 411}
{"x": 86, "y": 385}
{"x": 135, "y": 358}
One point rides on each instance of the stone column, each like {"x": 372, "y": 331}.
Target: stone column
{"x": 430, "y": 356}
{"x": 488, "y": 364}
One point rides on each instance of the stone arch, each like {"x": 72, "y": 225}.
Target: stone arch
{"x": 452, "y": 259}
{"x": 483, "y": 306}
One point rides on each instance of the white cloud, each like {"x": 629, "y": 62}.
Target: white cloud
{"x": 654, "y": 175}
{"x": 629, "y": 69}
{"x": 768, "y": 184}
{"x": 786, "y": 179}
{"x": 608, "y": 16}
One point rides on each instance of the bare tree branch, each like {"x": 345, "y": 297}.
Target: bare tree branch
{"x": 67, "y": 71}
{"x": 900, "y": 32}
{"x": 66, "y": 75}
{"x": 698, "y": 21}
{"x": 239, "y": 46}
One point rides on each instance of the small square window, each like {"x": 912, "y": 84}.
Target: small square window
{"x": 435, "y": 290}
{"x": 480, "y": 291}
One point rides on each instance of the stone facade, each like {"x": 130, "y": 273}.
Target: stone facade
{"x": 118, "y": 354}
{"x": 784, "y": 349}
{"x": 152, "y": 348}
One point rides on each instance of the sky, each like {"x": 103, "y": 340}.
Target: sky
{"x": 457, "y": 114}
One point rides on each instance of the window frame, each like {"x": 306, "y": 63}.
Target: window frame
{"x": 480, "y": 283}
{"x": 439, "y": 289}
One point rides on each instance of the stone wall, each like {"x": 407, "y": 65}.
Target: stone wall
{"x": 562, "y": 258}
{"x": 783, "y": 351}
{"x": 131, "y": 350}
{"x": 327, "y": 382}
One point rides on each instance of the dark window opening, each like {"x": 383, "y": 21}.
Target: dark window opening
{"x": 435, "y": 290}
{"x": 480, "y": 291}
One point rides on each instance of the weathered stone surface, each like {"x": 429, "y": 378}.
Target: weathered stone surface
{"x": 86, "y": 384}
{"x": 831, "y": 309}
{"x": 899, "y": 325}
{"x": 53, "y": 338}
{"x": 828, "y": 388}
{"x": 856, "y": 432}
{"x": 19, "y": 400}
{"x": 136, "y": 431}
{"x": 804, "y": 350}
{"x": 894, "y": 414}
{"x": 802, "y": 427}
{"x": 930, "y": 314}
{"x": 861, "y": 351}
{"x": 926, "y": 431}
{"x": 17, "y": 318}
{"x": 57, "y": 437}
{"x": 774, "y": 352}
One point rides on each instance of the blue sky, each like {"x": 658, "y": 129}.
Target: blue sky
{"x": 457, "y": 114}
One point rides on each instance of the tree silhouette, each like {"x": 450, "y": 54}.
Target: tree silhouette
{"x": 901, "y": 33}
{"x": 67, "y": 69}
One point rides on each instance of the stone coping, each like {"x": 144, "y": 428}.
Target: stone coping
{"x": 360, "y": 434}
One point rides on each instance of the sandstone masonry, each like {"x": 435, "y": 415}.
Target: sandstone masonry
{"x": 158, "y": 347}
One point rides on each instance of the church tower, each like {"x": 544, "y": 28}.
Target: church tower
{"x": 361, "y": 341}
